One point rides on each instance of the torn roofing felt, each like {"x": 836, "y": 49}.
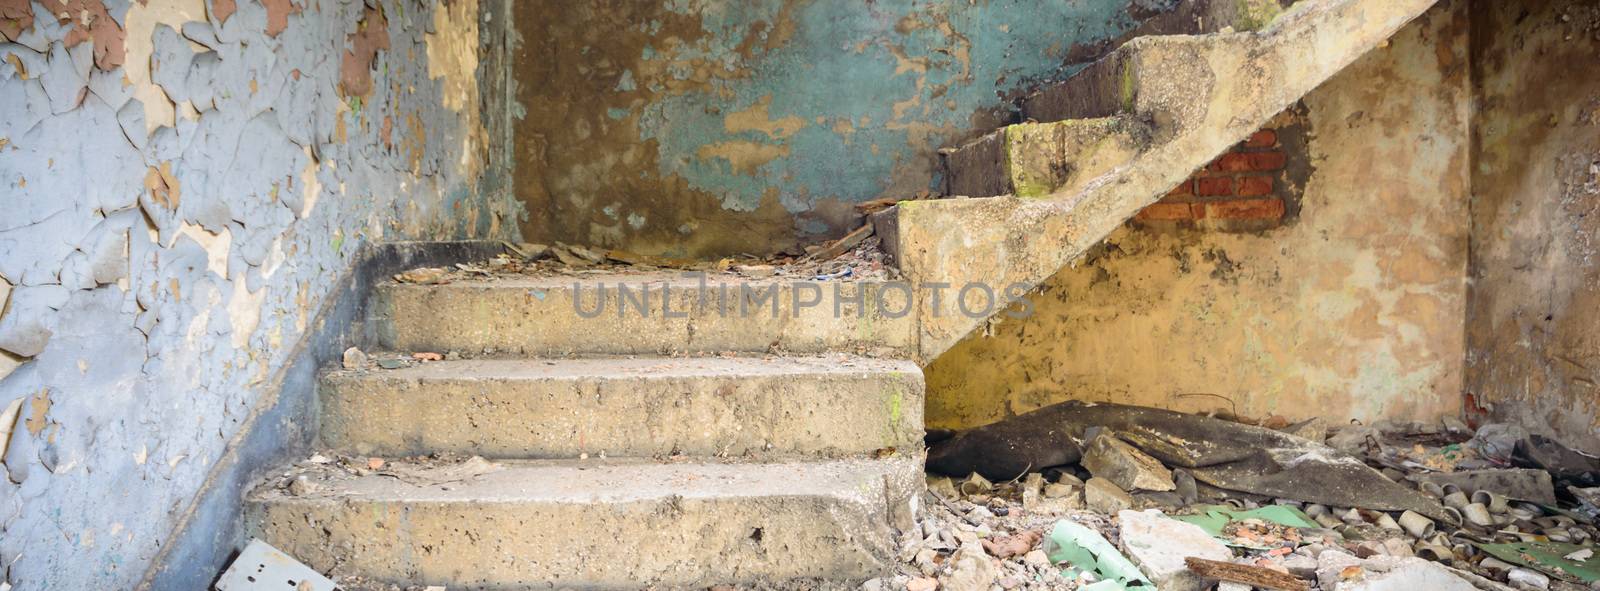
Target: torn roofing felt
{"x": 1221, "y": 453}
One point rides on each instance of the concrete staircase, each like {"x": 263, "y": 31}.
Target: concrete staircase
{"x": 692, "y": 446}
{"x": 1109, "y": 141}
{"x": 627, "y": 450}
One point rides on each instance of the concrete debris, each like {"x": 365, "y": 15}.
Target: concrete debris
{"x": 354, "y": 358}
{"x": 425, "y": 275}
{"x": 1104, "y": 496}
{"x": 970, "y": 570}
{"x": 1159, "y": 546}
{"x": 1130, "y": 469}
{"x": 1338, "y": 571}
{"x": 260, "y": 567}
{"x": 1222, "y": 454}
{"x": 1468, "y": 526}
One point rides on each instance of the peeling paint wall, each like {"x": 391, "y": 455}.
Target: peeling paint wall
{"x": 1353, "y": 309}
{"x": 1532, "y": 330}
{"x": 704, "y": 127}
{"x": 184, "y": 182}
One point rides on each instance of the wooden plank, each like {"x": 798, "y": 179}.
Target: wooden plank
{"x": 1255, "y": 576}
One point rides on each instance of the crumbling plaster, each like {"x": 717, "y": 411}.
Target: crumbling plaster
{"x": 1532, "y": 330}
{"x": 1353, "y": 310}
{"x": 711, "y": 127}
{"x": 185, "y": 181}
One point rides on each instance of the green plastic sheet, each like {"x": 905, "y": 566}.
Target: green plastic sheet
{"x": 1548, "y": 557}
{"x": 1086, "y": 550}
{"x": 1213, "y": 518}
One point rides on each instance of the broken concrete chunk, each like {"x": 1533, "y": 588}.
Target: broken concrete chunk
{"x": 424, "y": 275}
{"x": 1343, "y": 572}
{"x": 1159, "y": 545}
{"x": 970, "y": 570}
{"x": 354, "y": 358}
{"x": 260, "y": 567}
{"x": 975, "y": 484}
{"x": 1130, "y": 469}
{"x": 1104, "y": 496}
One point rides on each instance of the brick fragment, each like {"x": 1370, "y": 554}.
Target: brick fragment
{"x": 1265, "y": 138}
{"x": 1245, "y": 209}
{"x": 1164, "y": 211}
{"x": 1253, "y": 186}
{"x": 1214, "y": 187}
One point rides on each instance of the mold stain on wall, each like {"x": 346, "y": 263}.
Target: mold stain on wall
{"x": 702, "y": 127}
{"x": 1353, "y": 309}
{"x": 185, "y": 181}
{"x": 1534, "y": 337}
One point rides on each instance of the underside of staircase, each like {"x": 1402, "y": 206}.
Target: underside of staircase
{"x": 1094, "y": 150}
{"x": 692, "y": 446}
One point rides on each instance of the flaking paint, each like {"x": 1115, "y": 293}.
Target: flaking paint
{"x": 703, "y": 127}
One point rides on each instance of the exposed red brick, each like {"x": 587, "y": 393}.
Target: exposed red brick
{"x": 1265, "y": 138}
{"x": 1164, "y": 211}
{"x": 1254, "y": 186}
{"x": 278, "y": 12}
{"x": 1267, "y": 160}
{"x": 1232, "y": 162}
{"x": 1184, "y": 189}
{"x": 1245, "y": 209}
{"x": 370, "y": 37}
{"x": 222, "y": 9}
{"x": 16, "y": 16}
{"x": 1214, "y": 187}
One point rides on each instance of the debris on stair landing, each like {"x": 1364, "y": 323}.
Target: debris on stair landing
{"x": 1105, "y": 496}
{"x": 857, "y": 255}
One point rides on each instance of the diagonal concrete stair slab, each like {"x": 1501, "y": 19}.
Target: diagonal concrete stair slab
{"x": 1198, "y": 95}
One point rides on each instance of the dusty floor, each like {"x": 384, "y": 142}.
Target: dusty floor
{"x": 978, "y": 535}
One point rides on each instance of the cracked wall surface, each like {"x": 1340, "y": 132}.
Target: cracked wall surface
{"x": 1351, "y": 310}
{"x": 1533, "y": 334}
{"x": 185, "y": 180}
{"x": 708, "y": 127}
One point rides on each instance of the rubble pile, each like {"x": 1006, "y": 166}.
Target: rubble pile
{"x": 1195, "y": 502}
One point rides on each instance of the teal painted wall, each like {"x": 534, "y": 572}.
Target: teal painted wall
{"x": 695, "y": 127}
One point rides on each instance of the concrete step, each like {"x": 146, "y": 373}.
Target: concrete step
{"x": 626, "y": 407}
{"x": 596, "y": 524}
{"x": 541, "y": 316}
{"x": 1038, "y": 159}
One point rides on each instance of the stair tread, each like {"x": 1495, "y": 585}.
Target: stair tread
{"x": 631, "y": 367}
{"x": 595, "y": 481}
{"x": 588, "y": 280}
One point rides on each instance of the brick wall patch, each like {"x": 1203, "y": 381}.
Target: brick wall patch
{"x": 1254, "y": 186}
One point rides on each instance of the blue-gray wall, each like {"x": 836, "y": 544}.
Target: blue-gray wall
{"x": 170, "y": 233}
{"x": 695, "y": 127}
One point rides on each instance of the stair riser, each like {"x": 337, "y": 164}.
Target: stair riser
{"x": 1102, "y": 89}
{"x": 671, "y": 541}
{"x": 1038, "y": 159}
{"x": 545, "y": 321}
{"x": 825, "y": 414}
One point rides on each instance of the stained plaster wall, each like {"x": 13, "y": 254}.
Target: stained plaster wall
{"x": 1353, "y": 309}
{"x": 708, "y": 127}
{"x": 185, "y": 182}
{"x": 1532, "y": 329}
